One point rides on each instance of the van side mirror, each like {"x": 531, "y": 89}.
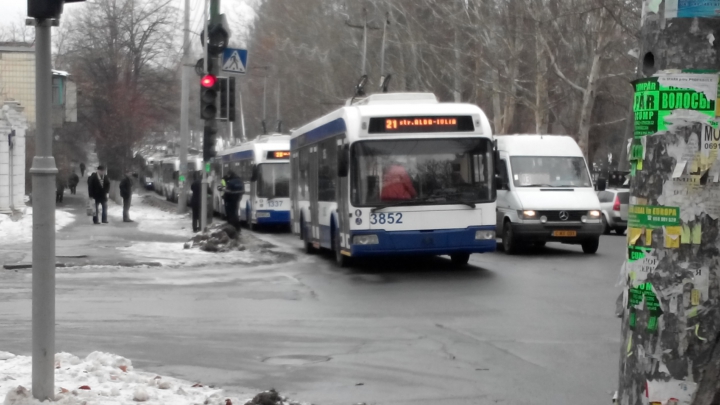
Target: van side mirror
{"x": 344, "y": 161}
{"x": 500, "y": 184}
{"x": 254, "y": 174}
{"x": 601, "y": 184}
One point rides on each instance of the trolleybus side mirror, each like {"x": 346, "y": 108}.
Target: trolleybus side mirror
{"x": 499, "y": 183}
{"x": 254, "y": 175}
{"x": 344, "y": 161}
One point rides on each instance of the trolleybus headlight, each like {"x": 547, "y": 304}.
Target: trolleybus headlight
{"x": 594, "y": 214}
{"x": 484, "y": 235}
{"x": 543, "y": 219}
{"x": 365, "y": 240}
{"x": 263, "y": 215}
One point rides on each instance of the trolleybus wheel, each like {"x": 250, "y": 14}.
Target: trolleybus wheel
{"x": 340, "y": 259}
{"x": 309, "y": 249}
{"x": 460, "y": 259}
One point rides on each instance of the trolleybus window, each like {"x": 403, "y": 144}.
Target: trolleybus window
{"x": 549, "y": 171}
{"x": 422, "y": 171}
{"x": 327, "y": 170}
{"x": 274, "y": 180}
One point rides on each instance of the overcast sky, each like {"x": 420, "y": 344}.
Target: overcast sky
{"x": 14, "y": 11}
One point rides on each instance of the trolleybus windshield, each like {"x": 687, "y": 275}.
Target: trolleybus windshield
{"x": 274, "y": 180}
{"x": 422, "y": 171}
{"x": 549, "y": 171}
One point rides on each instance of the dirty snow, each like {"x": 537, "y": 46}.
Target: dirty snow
{"x": 152, "y": 219}
{"x": 21, "y": 231}
{"x": 103, "y": 379}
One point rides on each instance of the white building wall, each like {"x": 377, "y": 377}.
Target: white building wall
{"x": 12, "y": 197}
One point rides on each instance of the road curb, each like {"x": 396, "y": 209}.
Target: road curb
{"x": 20, "y": 266}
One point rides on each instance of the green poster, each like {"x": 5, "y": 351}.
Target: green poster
{"x": 650, "y": 216}
{"x": 656, "y": 98}
{"x": 652, "y": 304}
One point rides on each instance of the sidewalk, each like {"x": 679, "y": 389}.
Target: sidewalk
{"x": 79, "y": 242}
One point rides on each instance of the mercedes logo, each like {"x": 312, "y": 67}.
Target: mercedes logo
{"x": 564, "y": 215}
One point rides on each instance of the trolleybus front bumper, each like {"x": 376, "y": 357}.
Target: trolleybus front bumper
{"x": 272, "y": 217}
{"x": 433, "y": 242}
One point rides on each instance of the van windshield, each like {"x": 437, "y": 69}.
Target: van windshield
{"x": 549, "y": 171}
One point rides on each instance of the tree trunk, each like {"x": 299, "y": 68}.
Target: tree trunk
{"x": 588, "y": 102}
{"x": 497, "y": 109}
{"x": 675, "y": 340}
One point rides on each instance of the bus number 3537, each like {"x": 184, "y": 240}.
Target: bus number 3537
{"x": 386, "y": 218}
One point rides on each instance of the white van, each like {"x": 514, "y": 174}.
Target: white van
{"x": 545, "y": 194}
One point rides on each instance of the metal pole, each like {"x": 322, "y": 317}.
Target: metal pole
{"x": 364, "y": 42}
{"x": 214, "y": 16}
{"x": 43, "y": 173}
{"x": 264, "y": 119}
{"x": 382, "y": 50}
{"x": 10, "y": 170}
{"x": 242, "y": 117}
{"x": 184, "y": 111}
{"x": 277, "y": 108}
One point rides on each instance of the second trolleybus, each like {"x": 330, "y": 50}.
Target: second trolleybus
{"x": 264, "y": 166}
{"x": 395, "y": 174}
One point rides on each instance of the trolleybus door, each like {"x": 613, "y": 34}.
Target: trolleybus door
{"x": 314, "y": 204}
{"x": 343, "y": 215}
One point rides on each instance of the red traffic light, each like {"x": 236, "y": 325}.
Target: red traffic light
{"x": 208, "y": 81}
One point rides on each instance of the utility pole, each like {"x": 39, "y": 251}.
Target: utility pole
{"x": 277, "y": 110}
{"x": 43, "y": 173}
{"x": 671, "y": 324}
{"x": 184, "y": 111}
{"x": 264, "y": 117}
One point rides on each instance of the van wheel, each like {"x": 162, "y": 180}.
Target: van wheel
{"x": 460, "y": 259}
{"x": 591, "y": 246}
{"x": 509, "y": 240}
{"x": 341, "y": 260}
{"x": 606, "y": 226}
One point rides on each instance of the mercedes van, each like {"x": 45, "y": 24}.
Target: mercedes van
{"x": 545, "y": 193}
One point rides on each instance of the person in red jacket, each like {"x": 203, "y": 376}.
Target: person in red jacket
{"x": 397, "y": 184}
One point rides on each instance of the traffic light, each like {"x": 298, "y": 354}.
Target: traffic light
{"x": 218, "y": 38}
{"x": 209, "y": 141}
{"x": 227, "y": 98}
{"x": 44, "y": 9}
{"x": 208, "y": 97}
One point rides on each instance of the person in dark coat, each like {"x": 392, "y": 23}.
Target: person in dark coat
{"x": 59, "y": 188}
{"x": 234, "y": 188}
{"x": 126, "y": 185}
{"x": 73, "y": 181}
{"x": 196, "y": 188}
{"x": 98, "y": 189}
{"x": 82, "y": 169}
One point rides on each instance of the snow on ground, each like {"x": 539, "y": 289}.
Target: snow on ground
{"x": 152, "y": 219}
{"x": 102, "y": 379}
{"x": 21, "y": 231}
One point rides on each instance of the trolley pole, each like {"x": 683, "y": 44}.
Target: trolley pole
{"x": 184, "y": 108}
{"x": 670, "y": 349}
{"x": 43, "y": 173}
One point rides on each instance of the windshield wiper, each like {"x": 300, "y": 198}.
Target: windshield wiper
{"x": 459, "y": 201}
{"x": 538, "y": 185}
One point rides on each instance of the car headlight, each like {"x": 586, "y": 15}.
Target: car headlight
{"x": 594, "y": 214}
{"x": 543, "y": 219}
{"x": 528, "y": 214}
{"x": 365, "y": 240}
{"x": 484, "y": 235}
{"x": 583, "y": 219}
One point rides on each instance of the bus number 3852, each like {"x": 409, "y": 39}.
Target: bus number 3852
{"x": 386, "y": 218}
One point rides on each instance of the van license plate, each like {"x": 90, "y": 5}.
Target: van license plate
{"x": 564, "y": 234}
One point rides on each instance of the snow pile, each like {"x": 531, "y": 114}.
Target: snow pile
{"x": 108, "y": 379}
{"x": 217, "y": 238}
{"x": 21, "y": 231}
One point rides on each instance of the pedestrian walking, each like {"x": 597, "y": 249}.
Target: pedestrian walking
{"x": 82, "y": 169}
{"x": 73, "y": 181}
{"x": 233, "y": 187}
{"x": 98, "y": 189}
{"x": 196, "y": 188}
{"x": 126, "y": 186}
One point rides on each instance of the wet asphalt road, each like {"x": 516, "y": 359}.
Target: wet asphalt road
{"x": 537, "y": 328}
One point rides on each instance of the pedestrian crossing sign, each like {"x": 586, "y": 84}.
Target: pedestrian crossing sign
{"x": 234, "y": 61}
